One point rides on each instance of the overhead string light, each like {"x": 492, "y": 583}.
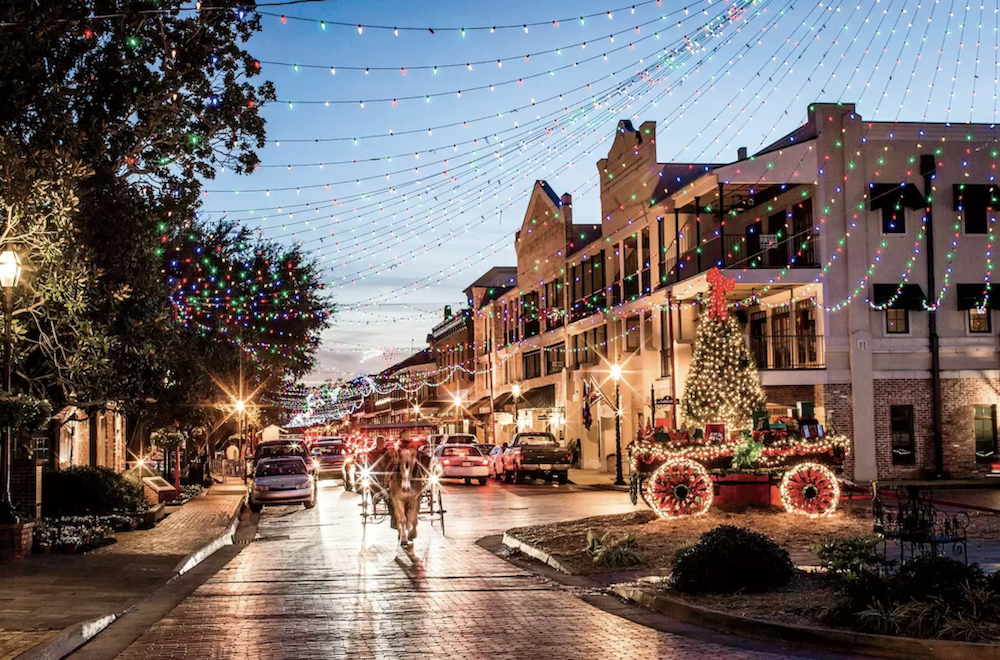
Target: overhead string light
{"x": 362, "y": 27}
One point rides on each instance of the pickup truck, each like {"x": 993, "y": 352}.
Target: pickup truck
{"x": 535, "y": 455}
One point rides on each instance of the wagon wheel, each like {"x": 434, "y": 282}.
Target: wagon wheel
{"x": 810, "y": 489}
{"x": 679, "y": 487}
{"x": 379, "y": 515}
{"x": 440, "y": 506}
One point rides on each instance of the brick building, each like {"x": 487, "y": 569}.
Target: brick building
{"x": 860, "y": 252}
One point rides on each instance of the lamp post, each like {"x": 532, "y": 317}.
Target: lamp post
{"x": 515, "y": 391}
{"x": 10, "y": 275}
{"x": 458, "y": 411}
{"x": 616, "y": 375}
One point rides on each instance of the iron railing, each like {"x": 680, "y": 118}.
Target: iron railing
{"x": 788, "y": 351}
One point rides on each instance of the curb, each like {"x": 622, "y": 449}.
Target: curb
{"x": 906, "y": 648}
{"x": 534, "y": 553}
{"x": 69, "y": 639}
{"x": 198, "y": 556}
{"x": 73, "y": 637}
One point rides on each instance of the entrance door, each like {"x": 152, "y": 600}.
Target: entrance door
{"x": 781, "y": 332}
{"x": 805, "y": 334}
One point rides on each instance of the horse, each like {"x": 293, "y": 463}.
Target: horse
{"x": 407, "y": 478}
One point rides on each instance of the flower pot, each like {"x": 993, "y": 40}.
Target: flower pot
{"x": 67, "y": 548}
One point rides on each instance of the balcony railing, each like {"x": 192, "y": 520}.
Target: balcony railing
{"x": 788, "y": 351}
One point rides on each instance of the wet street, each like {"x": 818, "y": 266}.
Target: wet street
{"x": 315, "y": 584}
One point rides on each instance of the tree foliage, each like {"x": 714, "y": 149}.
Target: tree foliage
{"x": 109, "y": 128}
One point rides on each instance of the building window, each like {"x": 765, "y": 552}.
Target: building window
{"x": 893, "y": 219}
{"x": 632, "y": 334}
{"x": 897, "y": 321}
{"x": 903, "y": 445}
{"x": 530, "y": 313}
{"x": 986, "y": 433}
{"x": 532, "y": 365}
{"x": 646, "y": 285}
{"x": 554, "y": 359}
{"x": 979, "y": 320}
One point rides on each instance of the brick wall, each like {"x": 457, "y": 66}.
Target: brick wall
{"x": 958, "y": 400}
{"x": 837, "y": 402}
{"x": 26, "y": 487}
{"x": 912, "y": 392}
{"x": 788, "y": 395}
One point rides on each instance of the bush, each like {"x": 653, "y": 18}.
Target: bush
{"x": 729, "y": 559}
{"x": 614, "y": 553}
{"x": 848, "y": 556}
{"x": 992, "y": 583}
{"x": 85, "y": 490}
{"x": 940, "y": 578}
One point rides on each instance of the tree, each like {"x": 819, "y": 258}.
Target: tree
{"x": 119, "y": 120}
{"x": 723, "y": 385}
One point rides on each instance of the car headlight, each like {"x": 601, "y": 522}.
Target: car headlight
{"x": 262, "y": 489}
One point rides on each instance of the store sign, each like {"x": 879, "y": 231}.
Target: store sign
{"x": 665, "y": 401}
{"x": 768, "y": 241}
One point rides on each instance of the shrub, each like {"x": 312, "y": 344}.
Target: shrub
{"x": 930, "y": 577}
{"x": 86, "y": 490}
{"x": 992, "y": 583}
{"x": 848, "y": 556}
{"x": 729, "y": 559}
{"x": 614, "y": 553}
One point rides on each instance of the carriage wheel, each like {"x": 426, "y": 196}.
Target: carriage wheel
{"x": 810, "y": 489}
{"x": 679, "y": 487}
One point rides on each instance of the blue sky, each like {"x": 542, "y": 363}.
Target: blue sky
{"x": 466, "y": 187}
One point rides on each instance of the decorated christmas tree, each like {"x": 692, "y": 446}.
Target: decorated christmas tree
{"x": 723, "y": 385}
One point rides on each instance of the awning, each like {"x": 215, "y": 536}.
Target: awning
{"x": 905, "y": 195}
{"x": 970, "y": 296}
{"x": 911, "y": 296}
{"x": 539, "y": 397}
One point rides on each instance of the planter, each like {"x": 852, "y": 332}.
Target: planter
{"x": 67, "y": 548}
{"x": 16, "y": 540}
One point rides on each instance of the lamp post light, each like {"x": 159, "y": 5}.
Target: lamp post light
{"x": 616, "y": 375}
{"x": 10, "y": 275}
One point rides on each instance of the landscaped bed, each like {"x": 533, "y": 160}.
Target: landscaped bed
{"x": 856, "y": 599}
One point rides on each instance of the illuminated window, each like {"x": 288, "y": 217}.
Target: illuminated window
{"x": 897, "y": 321}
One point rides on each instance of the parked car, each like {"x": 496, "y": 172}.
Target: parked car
{"x": 536, "y": 455}
{"x": 452, "y": 461}
{"x": 328, "y": 457}
{"x": 283, "y": 480}
{"x": 460, "y": 439}
{"x": 495, "y": 458}
{"x": 282, "y": 448}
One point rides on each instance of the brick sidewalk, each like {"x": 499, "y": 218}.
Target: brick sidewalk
{"x": 43, "y": 594}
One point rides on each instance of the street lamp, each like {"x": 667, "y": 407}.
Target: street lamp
{"x": 616, "y": 375}
{"x": 10, "y": 275}
{"x": 515, "y": 391}
{"x": 458, "y": 411}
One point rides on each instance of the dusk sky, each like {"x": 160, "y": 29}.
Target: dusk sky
{"x": 424, "y": 211}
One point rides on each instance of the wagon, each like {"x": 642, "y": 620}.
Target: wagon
{"x": 677, "y": 478}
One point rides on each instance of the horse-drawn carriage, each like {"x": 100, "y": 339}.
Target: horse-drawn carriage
{"x": 398, "y": 485}
{"x": 678, "y": 477}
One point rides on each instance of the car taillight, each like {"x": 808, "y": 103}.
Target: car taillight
{"x": 446, "y": 462}
{"x": 483, "y": 461}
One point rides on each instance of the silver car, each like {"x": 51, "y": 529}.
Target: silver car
{"x": 284, "y": 480}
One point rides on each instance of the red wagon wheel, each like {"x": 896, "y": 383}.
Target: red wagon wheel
{"x": 679, "y": 487}
{"x": 811, "y": 490}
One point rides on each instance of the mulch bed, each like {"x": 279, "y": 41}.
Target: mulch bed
{"x": 660, "y": 540}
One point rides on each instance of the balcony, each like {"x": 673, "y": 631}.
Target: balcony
{"x": 788, "y": 351}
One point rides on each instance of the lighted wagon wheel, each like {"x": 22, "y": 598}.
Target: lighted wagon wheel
{"x": 810, "y": 489}
{"x": 679, "y": 487}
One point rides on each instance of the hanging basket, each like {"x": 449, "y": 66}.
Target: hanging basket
{"x": 24, "y": 412}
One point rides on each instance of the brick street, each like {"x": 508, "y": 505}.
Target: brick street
{"x": 317, "y": 585}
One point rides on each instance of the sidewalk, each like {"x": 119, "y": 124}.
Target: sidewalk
{"x": 43, "y": 594}
{"x": 595, "y": 479}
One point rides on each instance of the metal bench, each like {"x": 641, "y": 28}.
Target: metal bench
{"x": 916, "y": 525}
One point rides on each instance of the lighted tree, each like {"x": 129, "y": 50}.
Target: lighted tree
{"x": 723, "y": 385}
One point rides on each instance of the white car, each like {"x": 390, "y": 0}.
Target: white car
{"x": 282, "y": 480}
{"x": 460, "y": 462}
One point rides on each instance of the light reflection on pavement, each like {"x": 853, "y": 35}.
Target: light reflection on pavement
{"x": 316, "y": 584}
